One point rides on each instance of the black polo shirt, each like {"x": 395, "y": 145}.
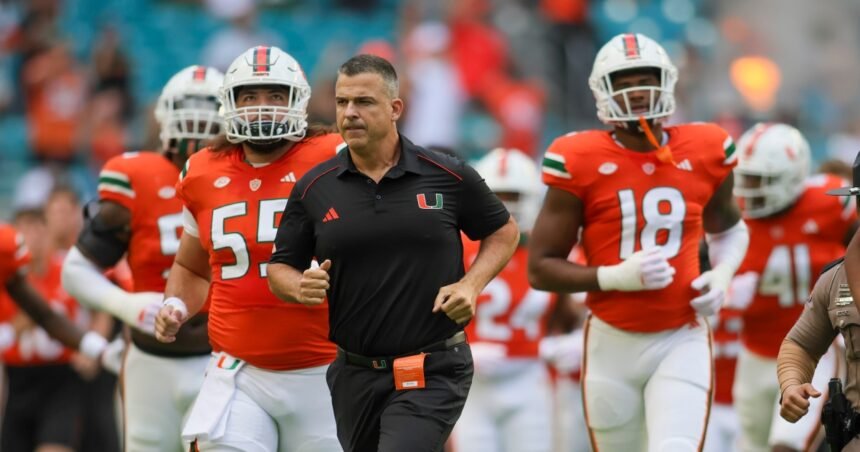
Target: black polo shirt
{"x": 392, "y": 245}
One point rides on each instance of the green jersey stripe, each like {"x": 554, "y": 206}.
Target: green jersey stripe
{"x": 729, "y": 150}
{"x": 116, "y": 189}
{"x": 555, "y": 165}
{"x": 554, "y": 172}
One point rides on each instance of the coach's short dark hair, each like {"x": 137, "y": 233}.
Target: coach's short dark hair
{"x": 365, "y": 63}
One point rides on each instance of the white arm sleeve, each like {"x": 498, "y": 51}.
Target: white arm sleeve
{"x": 727, "y": 249}
{"x": 189, "y": 224}
{"x": 86, "y": 283}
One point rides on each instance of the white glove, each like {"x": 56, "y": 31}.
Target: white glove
{"x": 742, "y": 290}
{"x": 643, "y": 270}
{"x": 564, "y": 352}
{"x": 111, "y": 358}
{"x": 149, "y": 304}
{"x": 488, "y": 358}
{"x": 715, "y": 284}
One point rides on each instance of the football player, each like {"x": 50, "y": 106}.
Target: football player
{"x": 43, "y": 402}
{"x": 138, "y": 215}
{"x": 265, "y": 389}
{"x": 723, "y": 425}
{"x": 643, "y": 194}
{"x": 795, "y": 229}
{"x": 509, "y": 405}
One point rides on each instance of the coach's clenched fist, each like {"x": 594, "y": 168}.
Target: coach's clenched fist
{"x": 314, "y": 284}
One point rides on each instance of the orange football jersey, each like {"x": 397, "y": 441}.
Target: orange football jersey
{"x": 727, "y": 344}
{"x": 509, "y": 311}
{"x": 632, "y": 200}
{"x": 144, "y": 183}
{"x": 788, "y": 251}
{"x": 238, "y": 208}
{"x": 34, "y": 346}
{"x": 13, "y": 253}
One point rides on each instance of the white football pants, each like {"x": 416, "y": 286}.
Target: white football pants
{"x": 647, "y": 391}
{"x": 157, "y": 395}
{"x": 278, "y": 411}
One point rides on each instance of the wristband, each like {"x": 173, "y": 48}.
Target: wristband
{"x": 92, "y": 345}
{"x": 177, "y": 305}
{"x": 7, "y": 336}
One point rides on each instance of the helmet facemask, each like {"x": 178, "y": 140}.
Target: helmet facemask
{"x": 263, "y": 126}
{"x": 761, "y": 194}
{"x": 187, "y": 111}
{"x": 267, "y": 124}
{"x": 632, "y": 54}
{"x": 191, "y": 121}
{"x": 615, "y": 105}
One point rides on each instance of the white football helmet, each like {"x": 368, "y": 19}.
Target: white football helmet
{"x": 773, "y": 163}
{"x": 632, "y": 51}
{"x": 187, "y": 108}
{"x": 265, "y": 65}
{"x": 512, "y": 171}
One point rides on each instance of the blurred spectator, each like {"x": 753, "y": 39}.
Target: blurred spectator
{"x": 33, "y": 188}
{"x": 112, "y": 69}
{"x": 241, "y": 34}
{"x": 321, "y": 106}
{"x": 572, "y": 50}
{"x": 477, "y": 49}
{"x": 55, "y": 89}
{"x": 63, "y": 221}
{"x": 63, "y": 218}
{"x": 33, "y": 33}
{"x": 106, "y": 126}
{"x": 44, "y": 406}
{"x": 518, "y": 105}
{"x": 436, "y": 97}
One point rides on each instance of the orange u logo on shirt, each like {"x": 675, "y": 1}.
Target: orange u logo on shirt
{"x": 422, "y": 201}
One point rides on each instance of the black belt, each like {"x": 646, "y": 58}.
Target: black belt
{"x": 385, "y": 362}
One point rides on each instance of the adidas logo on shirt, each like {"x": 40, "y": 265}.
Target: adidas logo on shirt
{"x": 684, "y": 165}
{"x": 289, "y": 178}
{"x": 331, "y": 215}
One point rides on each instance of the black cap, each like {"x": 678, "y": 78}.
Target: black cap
{"x": 855, "y": 175}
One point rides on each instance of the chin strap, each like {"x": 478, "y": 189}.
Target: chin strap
{"x": 664, "y": 153}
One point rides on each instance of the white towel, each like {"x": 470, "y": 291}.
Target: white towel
{"x": 208, "y": 419}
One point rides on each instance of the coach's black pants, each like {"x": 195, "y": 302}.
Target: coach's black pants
{"x": 372, "y": 416}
